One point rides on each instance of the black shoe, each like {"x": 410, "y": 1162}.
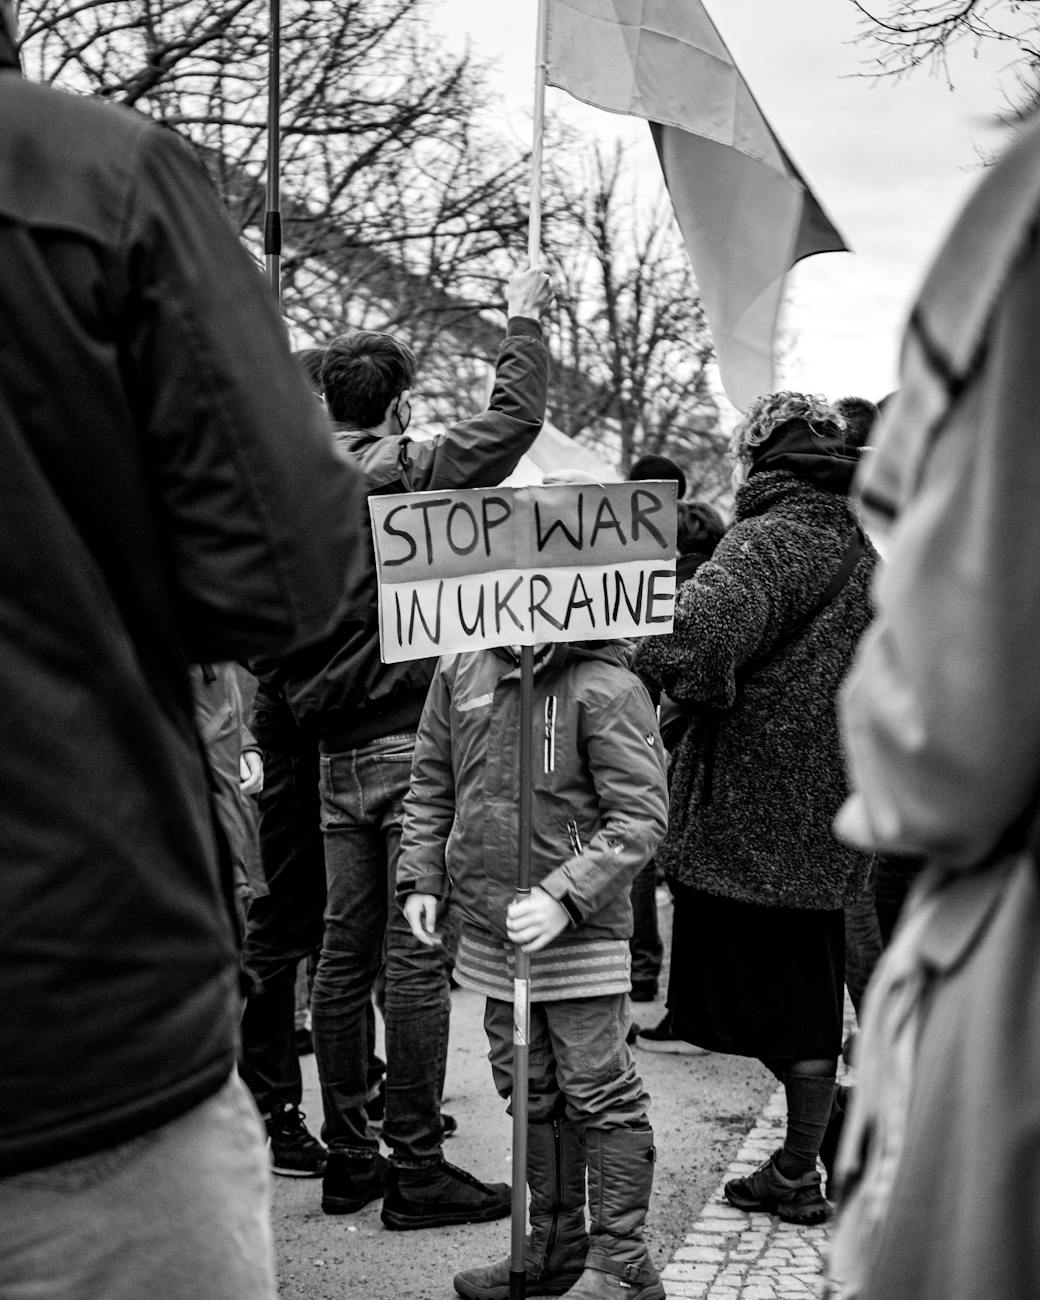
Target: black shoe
{"x": 295, "y": 1151}
{"x": 439, "y": 1196}
{"x": 662, "y": 1039}
{"x": 795, "y": 1200}
{"x": 451, "y": 1125}
{"x": 351, "y": 1182}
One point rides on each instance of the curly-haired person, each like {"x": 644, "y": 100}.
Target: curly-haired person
{"x": 764, "y": 633}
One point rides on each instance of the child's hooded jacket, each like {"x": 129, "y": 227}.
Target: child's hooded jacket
{"x": 600, "y": 802}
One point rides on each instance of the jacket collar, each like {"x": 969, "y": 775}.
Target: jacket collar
{"x": 617, "y": 652}
{"x": 769, "y": 488}
{"x": 814, "y": 453}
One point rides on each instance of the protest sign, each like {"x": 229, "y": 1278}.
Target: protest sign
{"x": 479, "y": 567}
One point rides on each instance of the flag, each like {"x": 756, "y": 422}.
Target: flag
{"x": 744, "y": 211}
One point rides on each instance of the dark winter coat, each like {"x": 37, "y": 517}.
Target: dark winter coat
{"x": 599, "y": 799}
{"x": 220, "y": 720}
{"x": 169, "y": 493}
{"x": 340, "y": 692}
{"x": 757, "y": 779}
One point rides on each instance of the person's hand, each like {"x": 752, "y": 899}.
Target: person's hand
{"x": 420, "y": 911}
{"x": 536, "y": 920}
{"x": 250, "y": 772}
{"x": 529, "y": 292}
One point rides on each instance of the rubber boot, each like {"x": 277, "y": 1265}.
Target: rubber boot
{"x": 621, "y": 1176}
{"x": 555, "y": 1250}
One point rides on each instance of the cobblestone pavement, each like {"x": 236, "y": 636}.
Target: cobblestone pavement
{"x": 731, "y": 1253}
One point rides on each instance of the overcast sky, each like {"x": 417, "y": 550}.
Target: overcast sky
{"x": 890, "y": 161}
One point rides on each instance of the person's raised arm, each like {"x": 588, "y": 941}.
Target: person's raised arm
{"x": 485, "y": 449}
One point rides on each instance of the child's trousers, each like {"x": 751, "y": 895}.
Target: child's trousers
{"x": 580, "y": 1068}
{"x": 579, "y": 1063}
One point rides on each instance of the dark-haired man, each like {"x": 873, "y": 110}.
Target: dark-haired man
{"x": 364, "y": 715}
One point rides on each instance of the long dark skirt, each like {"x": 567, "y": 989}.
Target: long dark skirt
{"x": 756, "y": 981}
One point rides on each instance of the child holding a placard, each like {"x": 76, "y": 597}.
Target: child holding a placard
{"x": 600, "y": 808}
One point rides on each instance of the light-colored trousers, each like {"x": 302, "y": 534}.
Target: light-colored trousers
{"x": 180, "y": 1213}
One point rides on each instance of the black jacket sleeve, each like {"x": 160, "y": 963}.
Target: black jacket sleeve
{"x": 485, "y": 449}
{"x": 262, "y": 516}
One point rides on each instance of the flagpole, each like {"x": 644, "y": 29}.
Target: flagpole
{"x": 534, "y": 228}
{"x": 522, "y": 969}
{"x": 273, "y": 215}
{"x": 522, "y": 991}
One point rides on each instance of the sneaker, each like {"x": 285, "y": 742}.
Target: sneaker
{"x": 441, "y": 1195}
{"x": 661, "y": 1039}
{"x": 351, "y": 1182}
{"x": 795, "y": 1200}
{"x": 295, "y": 1151}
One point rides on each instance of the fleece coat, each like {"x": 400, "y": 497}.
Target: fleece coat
{"x": 758, "y": 777}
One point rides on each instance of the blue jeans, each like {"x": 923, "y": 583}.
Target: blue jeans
{"x": 362, "y": 797}
{"x": 579, "y": 1062}
{"x": 179, "y": 1213}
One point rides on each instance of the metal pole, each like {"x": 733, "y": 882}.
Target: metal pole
{"x": 534, "y": 227}
{"x": 273, "y": 215}
{"x": 522, "y": 971}
{"x": 522, "y": 991}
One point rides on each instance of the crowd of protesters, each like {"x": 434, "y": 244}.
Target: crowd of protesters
{"x": 825, "y": 742}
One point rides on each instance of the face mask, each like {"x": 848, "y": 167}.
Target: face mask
{"x": 403, "y": 419}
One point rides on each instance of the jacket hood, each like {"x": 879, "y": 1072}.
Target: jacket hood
{"x": 557, "y": 653}
{"x": 816, "y": 455}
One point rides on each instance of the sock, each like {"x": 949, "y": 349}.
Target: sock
{"x": 809, "y": 1101}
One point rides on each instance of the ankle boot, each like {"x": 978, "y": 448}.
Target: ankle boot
{"x": 621, "y": 1175}
{"x": 555, "y": 1250}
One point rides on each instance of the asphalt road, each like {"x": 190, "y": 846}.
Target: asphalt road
{"x": 702, "y": 1107}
